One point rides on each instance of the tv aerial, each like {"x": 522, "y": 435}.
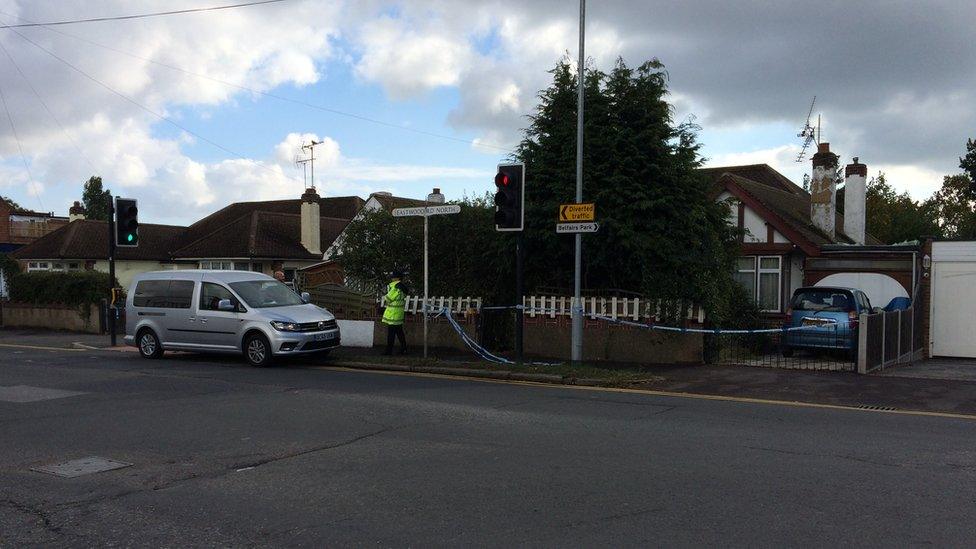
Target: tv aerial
{"x": 308, "y": 161}
{"x": 809, "y": 133}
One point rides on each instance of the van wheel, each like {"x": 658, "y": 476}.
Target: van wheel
{"x": 148, "y": 343}
{"x": 257, "y": 350}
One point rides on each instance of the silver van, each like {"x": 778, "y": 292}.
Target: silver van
{"x": 227, "y": 312}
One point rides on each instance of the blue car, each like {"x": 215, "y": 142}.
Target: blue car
{"x": 824, "y": 318}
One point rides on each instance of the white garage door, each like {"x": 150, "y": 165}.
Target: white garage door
{"x": 953, "y": 329}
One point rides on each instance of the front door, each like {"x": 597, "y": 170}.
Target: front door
{"x": 215, "y": 328}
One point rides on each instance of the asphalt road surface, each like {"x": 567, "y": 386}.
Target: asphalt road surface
{"x": 225, "y": 454}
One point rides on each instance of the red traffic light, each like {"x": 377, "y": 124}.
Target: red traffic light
{"x": 502, "y": 179}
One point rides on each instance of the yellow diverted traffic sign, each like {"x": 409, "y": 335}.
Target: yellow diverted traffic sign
{"x": 577, "y": 212}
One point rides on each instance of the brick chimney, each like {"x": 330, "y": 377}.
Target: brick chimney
{"x": 311, "y": 222}
{"x": 823, "y": 190}
{"x": 855, "y": 176}
{"x": 76, "y": 212}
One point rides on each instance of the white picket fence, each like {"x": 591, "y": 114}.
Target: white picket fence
{"x": 461, "y": 305}
{"x": 621, "y": 308}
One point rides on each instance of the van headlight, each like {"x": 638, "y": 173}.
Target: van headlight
{"x": 286, "y": 326}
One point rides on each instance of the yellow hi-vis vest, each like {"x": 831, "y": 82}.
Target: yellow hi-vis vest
{"x": 393, "y": 315}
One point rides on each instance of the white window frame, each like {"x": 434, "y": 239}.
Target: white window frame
{"x": 757, "y": 271}
{"x": 222, "y": 264}
{"x": 778, "y": 271}
{"x": 38, "y": 266}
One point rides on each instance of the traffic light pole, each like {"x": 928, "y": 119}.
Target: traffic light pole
{"x": 519, "y": 294}
{"x": 110, "y": 312}
{"x": 577, "y": 344}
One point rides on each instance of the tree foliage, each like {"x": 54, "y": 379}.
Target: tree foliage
{"x": 968, "y": 162}
{"x": 894, "y": 218}
{"x": 953, "y": 206}
{"x": 661, "y": 234}
{"x": 10, "y": 202}
{"x": 96, "y": 200}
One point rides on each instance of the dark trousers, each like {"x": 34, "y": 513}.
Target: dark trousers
{"x": 395, "y": 331}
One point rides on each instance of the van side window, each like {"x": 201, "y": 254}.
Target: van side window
{"x": 151, "y": 293}
{"x": 211, "y": 294}
{"x": 169, "y": 294}
{"x": 180, "y": 293}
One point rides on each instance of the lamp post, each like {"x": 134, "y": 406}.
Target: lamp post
{"x": 433, "y": 198}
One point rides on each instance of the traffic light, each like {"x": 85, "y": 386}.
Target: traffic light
{"x": 126, "y": 222}
{"x": 510, "y": 197}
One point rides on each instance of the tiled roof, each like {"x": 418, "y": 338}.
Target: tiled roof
{"x": 785, "y": 199}
{"x": 342, "y": 207}
{"x": 88, "y": 239}
{"x": 261, "y": 234}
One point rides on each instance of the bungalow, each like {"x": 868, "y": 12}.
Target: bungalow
{"x": 794, "y": 238}
{"x": 243, "y": 236}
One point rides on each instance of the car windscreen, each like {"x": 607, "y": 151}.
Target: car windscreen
{"x": 265, "y": 293}
{"x": 836, "y": 301}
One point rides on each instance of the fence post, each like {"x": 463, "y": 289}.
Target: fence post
{"x": 884, "y": 333}
{"x": 862, "y": 344}
{"x": 898, "y": 348}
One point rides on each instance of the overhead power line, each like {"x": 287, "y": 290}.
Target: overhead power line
{"x": 242, "y": 87}
{"x": 140, "y": 16}
{"x": 20, "y": 147}
{"x": 46, "y": 108}
{"x": 150, "y": 111}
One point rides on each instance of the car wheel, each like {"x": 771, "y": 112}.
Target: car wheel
{"x": 149, "y": 345}
{"x": 257, "y": 350}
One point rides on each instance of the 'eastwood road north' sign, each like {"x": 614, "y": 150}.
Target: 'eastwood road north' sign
{"x": 431, "y": 210}
{"x": 577, "y": 212}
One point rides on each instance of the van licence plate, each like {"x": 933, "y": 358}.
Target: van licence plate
{"x": 325, "y": 336}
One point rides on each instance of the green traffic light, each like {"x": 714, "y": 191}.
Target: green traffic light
{"x": 130, "y": 237}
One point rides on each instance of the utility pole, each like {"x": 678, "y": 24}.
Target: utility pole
{"x": 577, "y": 343}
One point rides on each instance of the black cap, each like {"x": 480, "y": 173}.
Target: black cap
{"x": 397, "y": 274}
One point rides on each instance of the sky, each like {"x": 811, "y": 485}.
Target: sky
{"x": 188, "y": 113}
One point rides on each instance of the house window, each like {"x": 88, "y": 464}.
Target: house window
{"x": 770, "y": 275}
{"x": 217, "y": 265}
{"x": 762, "y": 277}
{"x": 38, "y": 266}
{"x": 745, "y": 275}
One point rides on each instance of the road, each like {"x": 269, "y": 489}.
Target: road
{"x": 225, "y": 454}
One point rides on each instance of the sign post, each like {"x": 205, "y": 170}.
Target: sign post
{"x": 426, "y": 212}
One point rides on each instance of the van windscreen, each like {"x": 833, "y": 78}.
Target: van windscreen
{"x": 265, "y": 293}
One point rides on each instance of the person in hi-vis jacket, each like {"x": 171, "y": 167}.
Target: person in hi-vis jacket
{"x": 393, "y": 314}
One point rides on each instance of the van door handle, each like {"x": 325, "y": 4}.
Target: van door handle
{"x": 203, "y": 320}
{"x": 192, "y": 318}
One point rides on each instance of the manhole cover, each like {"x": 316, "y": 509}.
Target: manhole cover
{"x": 26, "y": 393}
{"x": 80, "y": 467}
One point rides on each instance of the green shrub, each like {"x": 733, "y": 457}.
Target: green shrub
{"x": 71, "y": 288}
{"x": 8, "y": 266}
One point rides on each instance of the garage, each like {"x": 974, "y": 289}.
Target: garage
{"x": 953, "y": 304}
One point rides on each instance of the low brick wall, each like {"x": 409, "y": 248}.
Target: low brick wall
{"x": 54, "y": 317}
{"x": 602, "y": 342}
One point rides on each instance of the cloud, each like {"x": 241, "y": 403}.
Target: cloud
{"x": 896, "y": 84}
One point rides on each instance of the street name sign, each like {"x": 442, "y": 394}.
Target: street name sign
{"x": 563, "y": 228}
{"x": 577, "y": 212}
{"x": 430, "y": 210}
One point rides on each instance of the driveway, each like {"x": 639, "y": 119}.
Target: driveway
{"x": 960, "y": 369}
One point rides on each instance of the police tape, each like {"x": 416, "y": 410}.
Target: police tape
{"x": 474, "y": 346}
{"x": 680, "y": 329}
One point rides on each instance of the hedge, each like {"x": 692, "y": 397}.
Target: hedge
{"x": 78, "y": 288}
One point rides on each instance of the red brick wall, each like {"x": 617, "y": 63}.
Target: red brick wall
{"x": 4, "y": 223}
{"x": 925, "y": 296}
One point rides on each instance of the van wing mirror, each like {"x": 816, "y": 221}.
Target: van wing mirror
{"x": 306, "y": 297}
{"x": 226, "y": 305}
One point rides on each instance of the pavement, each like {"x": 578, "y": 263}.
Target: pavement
{"x": 960, "y": 369}
{"x": 305, "y": 454}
